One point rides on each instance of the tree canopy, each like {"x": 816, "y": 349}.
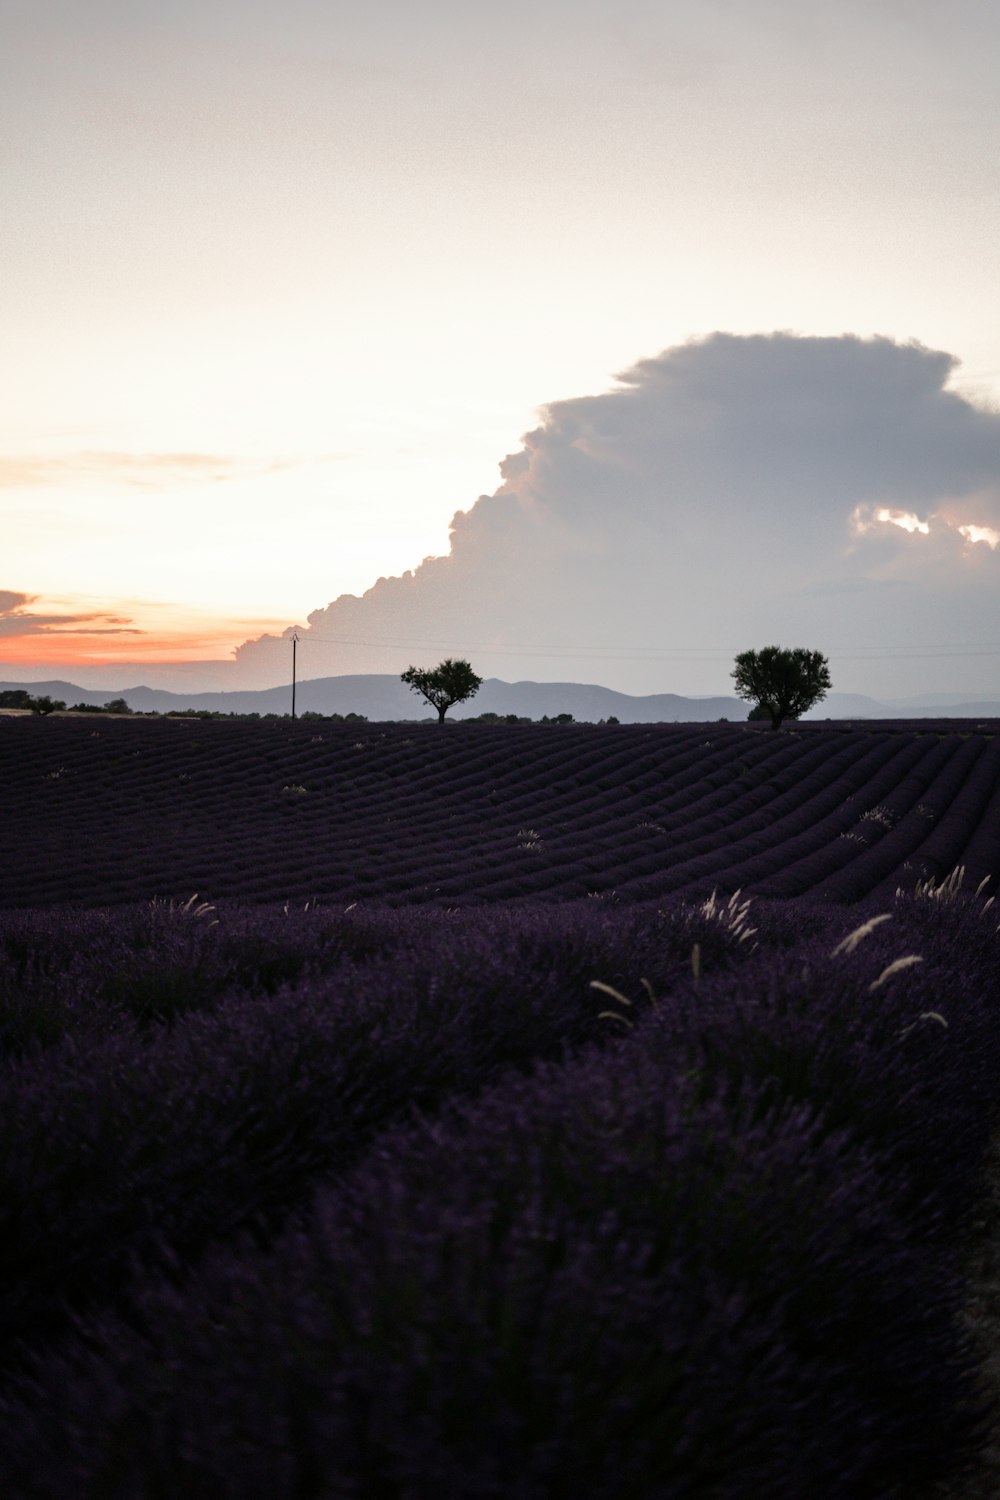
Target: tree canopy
{"x": 452, "y": 682}
{"x": 21, "y": 698}
{"x": 783, "y": 682}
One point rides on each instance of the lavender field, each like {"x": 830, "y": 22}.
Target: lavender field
{"x": 100, "y": 812}
{"x": 515, "y": 1110}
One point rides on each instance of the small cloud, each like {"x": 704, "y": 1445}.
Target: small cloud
{"x": 18, "y": 622}
{"x": 9, "y": 601}
{"x": 135, "y": 470}
{"x": 865, "y": 518}
{"x": 24, "y": 473}
{"x": 985, "y": 534}
{"x": 904, "y": 519}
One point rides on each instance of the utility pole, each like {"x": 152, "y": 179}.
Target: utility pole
{"x": 295, "y": 647}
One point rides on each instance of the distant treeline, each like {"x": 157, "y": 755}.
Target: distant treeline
{"x": 43, "y": 704}
{"x": 20, "y": 699}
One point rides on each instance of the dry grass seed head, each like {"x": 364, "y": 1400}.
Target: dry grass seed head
{"x": 851, "y": 941}
{"x": 896, "y": 967}
{"x": 191, "y": 908}
{"x": 731, "y": 914}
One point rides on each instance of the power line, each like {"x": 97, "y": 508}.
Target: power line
{"x": 706, "y": 654}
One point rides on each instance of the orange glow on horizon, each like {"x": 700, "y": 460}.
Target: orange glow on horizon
{"x": 143, "y": 632}
{"x": 79, "y": 650}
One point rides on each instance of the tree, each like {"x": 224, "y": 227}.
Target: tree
{"x": 15, "y": 698}
{"x": 20, "y": 698}
{"x": 782, "y": 682}
{"x": 452, "y": 682}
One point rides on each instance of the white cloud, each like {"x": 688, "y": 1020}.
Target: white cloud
{"x": 815, "y": 491}
{"x": 142, "y": 470}
{"x": 982, "y": 534}
{"x": 905, "y": 519}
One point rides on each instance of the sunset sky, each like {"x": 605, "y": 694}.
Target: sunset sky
{"x": 283, "y": 285}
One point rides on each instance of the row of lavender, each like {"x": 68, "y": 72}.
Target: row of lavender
{"x": 401, "y": 813}
{"x": 395, "y": 1202}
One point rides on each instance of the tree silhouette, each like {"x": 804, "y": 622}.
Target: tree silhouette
{"x": 452, "y": 682}
{"x": 783, "y": 682}
{"x": 20, "y": 698}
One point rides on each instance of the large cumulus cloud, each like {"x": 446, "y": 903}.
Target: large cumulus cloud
{"x": 832, "y": 492}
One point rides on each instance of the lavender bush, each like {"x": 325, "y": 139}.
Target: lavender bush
{"x": 563, "y": 1168}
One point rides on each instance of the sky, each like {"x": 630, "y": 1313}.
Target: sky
{"x": 592, "y": 341}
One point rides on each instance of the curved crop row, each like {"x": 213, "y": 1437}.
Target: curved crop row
{"x": 276, "y": 810}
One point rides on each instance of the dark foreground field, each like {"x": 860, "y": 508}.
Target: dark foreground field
{"x": 458, "y": 1141}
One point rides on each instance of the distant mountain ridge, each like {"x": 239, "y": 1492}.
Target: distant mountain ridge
{"x": 384, "y": 697}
